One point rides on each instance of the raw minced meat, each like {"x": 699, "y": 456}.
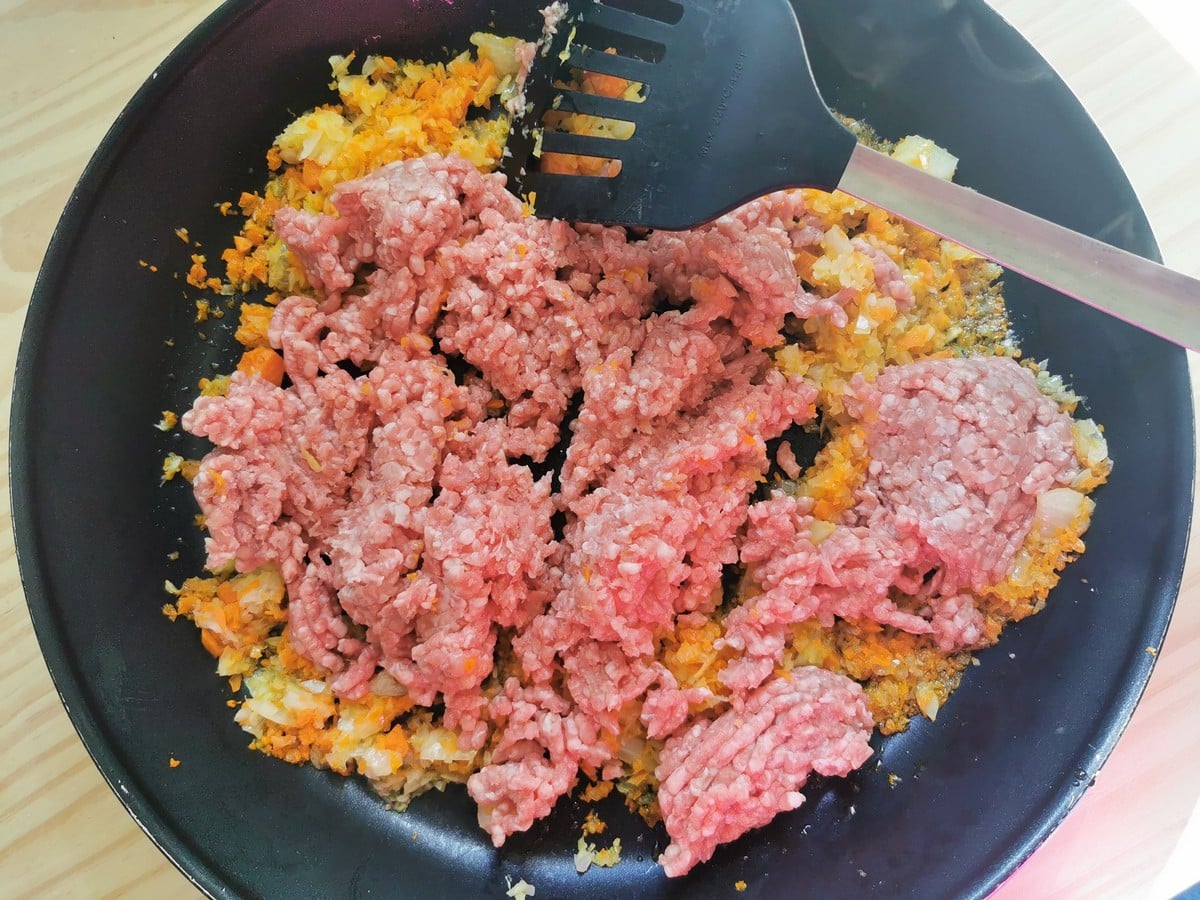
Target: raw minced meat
{"x": 960, "y": 450}
{"x": 543, "y": 742}
{"x": 721, "y": 777}
{"x": 514, "y": 459}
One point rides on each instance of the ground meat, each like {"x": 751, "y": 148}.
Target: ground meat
{"x": 314, "y": 620}
{"x": 524, "y": 52}
{"x": 252, "y": 411}
{"x": 603, "y": 680}
{"x": 380, "y": 532}
{"x": 846, "y": 575}
{"x": 318, "y": 242}
{"x": 400, "y": 216}
{"x": 666, "y": 707}
{"x": 746, "y": 251}
{"x": 676, "y": 365}
{"x": 746, "y": 258}
{"x": 543, "y": 743}
{"x": 285, "y": 463}
{"x": 529, "y": 333}
{"x": 487, "y": 541}
{"x": 960, "y": 450}
{"x": 650, "y": 542}
{"x": 649, "y": 532}
{"x": 722, "y": 777}
{"x": 393, "y": 483}
{"x": 888, "y": 276}
{"x": 785, "y": 458}
{"x": 514, "y": 794}
{"x": 355, "y": 679}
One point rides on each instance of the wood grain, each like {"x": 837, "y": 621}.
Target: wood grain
{"x": 66, "y": 69}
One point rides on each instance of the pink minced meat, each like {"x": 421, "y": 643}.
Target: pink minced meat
{"x": 392, "y": 482}
{"x": 722, "y": 777}
{"x": 379, "y": 534}
{"x": 487, "y": 544}
{"x": 888, "y": 276}
{"x": 544, "y": 741}
{"x": 847, "y": 575}
{"x": 649, "y": 539}
{"x": 667, "y": 707}
{"x": 285, "y": 461}
{"x": 960, "y": 450}
{"x": 746, "y": 255}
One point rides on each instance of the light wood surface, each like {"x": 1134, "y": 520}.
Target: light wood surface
{"x": 66, "y": 69}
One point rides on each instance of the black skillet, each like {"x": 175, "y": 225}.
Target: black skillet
{"x": 1010, "y": 753}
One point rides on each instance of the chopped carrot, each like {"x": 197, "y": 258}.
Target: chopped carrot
{"x": 197, "y": 273}
{"x": 395, "y": 740}
{"x": 565, "y": 164}
{"x": 605, "y": 85}
{"x": 596, "y": 791}
{"x": 253, "y": 320}
{"x": 211, "y": 642}
{"x": 804, "y": 260}
{"x": 310, "y": 174}
{"x": 263, "y": 361}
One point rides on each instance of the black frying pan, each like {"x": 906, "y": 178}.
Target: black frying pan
{"x": 1009, "y": 754}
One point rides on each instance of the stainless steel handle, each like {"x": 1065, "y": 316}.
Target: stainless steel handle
{"x": 1143, "y": 293}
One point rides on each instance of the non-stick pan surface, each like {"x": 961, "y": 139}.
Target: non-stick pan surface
{"x": 1009, "y": 754}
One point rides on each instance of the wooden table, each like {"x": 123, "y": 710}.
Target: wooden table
{"x": 66, "y": 69}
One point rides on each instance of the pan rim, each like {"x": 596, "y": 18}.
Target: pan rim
{"x": 199, "y": 869}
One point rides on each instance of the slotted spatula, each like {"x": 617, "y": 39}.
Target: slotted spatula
{"x": 730, "y": 111}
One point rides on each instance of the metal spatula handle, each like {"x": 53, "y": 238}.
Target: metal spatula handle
{"x": 1141, "y": 292}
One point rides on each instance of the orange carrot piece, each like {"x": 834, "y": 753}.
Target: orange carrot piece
{"x": 265, "y": 362}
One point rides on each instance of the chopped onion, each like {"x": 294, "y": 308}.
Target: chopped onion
{"x": 927, "y": 700}
{"x": 520, "y": 890}
{"x": 1057, "y": 508}
{"x": 926, "y": 155}
{"x": 585, "y": 853}
{"x": 1090, "y": 445}
{"x": 501, "y": 51}
{"x": 384, "y": 685}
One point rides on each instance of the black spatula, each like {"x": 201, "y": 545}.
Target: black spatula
{"x": 729, "y": 110}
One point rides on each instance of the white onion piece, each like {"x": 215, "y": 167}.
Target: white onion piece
{"x": 1057, "y": 508}
{"x": 384, "y": 685}
{"x": 1090, "y": 445}
{"x": 923, "y": 153}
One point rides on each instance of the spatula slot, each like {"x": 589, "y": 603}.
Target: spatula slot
{"x": 597, "y": 126}
{"x": 587, "y": 103}
{"x": 589, "y": 59}
{"x": 597, "y": 84}
{"x": 581, "y": 144}
{"x": 576, "y": 165}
